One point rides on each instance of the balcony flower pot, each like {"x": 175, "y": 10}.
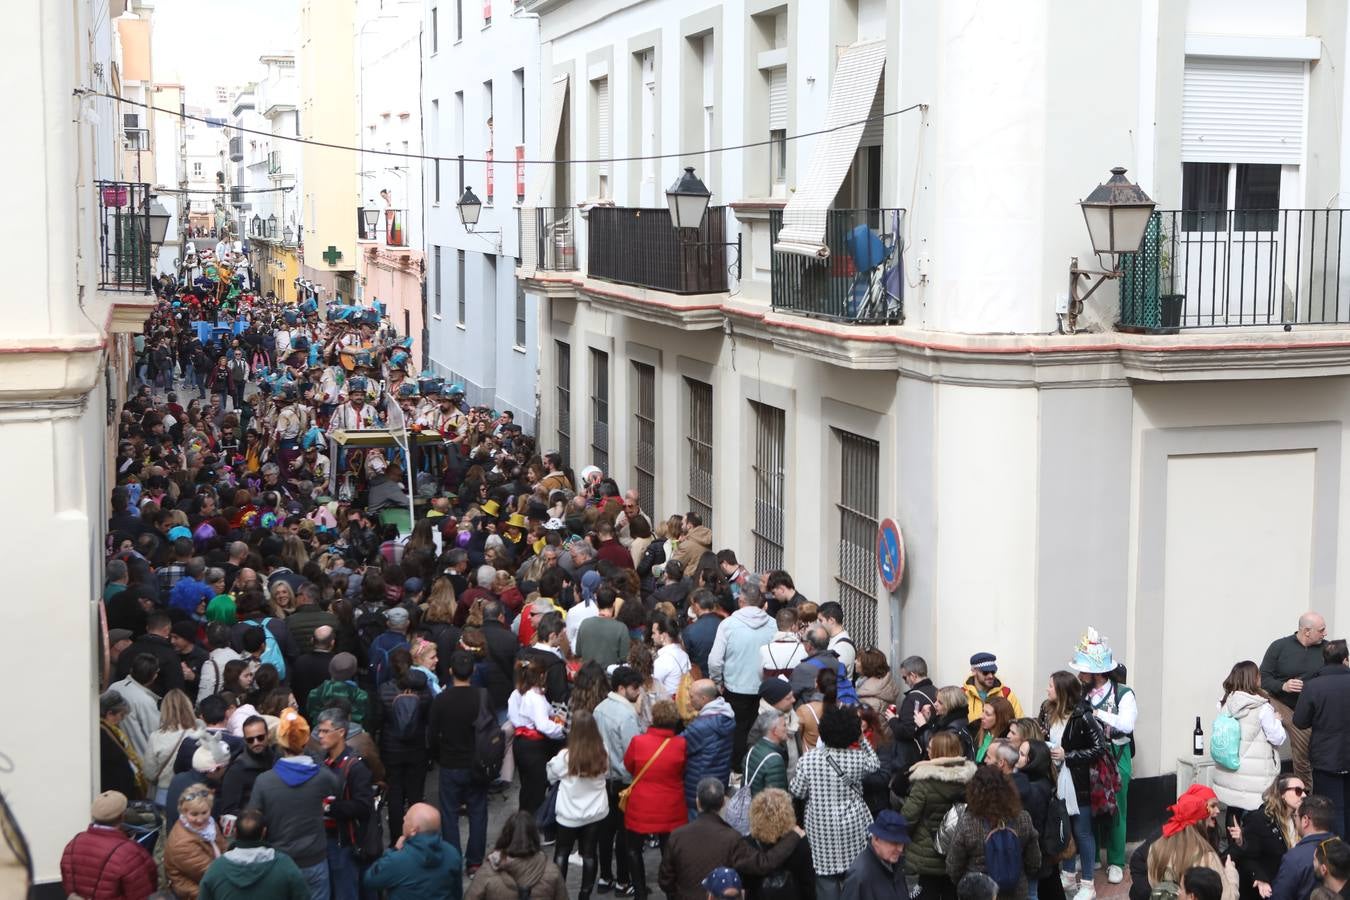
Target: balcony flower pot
{"x": 1170, "y": 313}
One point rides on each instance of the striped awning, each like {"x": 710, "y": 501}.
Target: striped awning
{"x": 552, "y": 125}
{"x": 856, "y": 77}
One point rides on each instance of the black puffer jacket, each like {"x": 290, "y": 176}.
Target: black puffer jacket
{"x": 1083, "y": 741}
{"x": 1324, "y": 706}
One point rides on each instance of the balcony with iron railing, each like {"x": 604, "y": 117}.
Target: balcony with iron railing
{"x": 389, "y": 226}
{"x": 640, "y": 247}
{"x": 861, "y": 281}
{"x": 125, "y": 258}
{"x": 1237, "y": 268}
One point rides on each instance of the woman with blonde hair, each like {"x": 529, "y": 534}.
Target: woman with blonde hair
{"x": 425, "y": 656}
{"x": 176, "y": 722}
{"x": 1265, "y": 835}
{"x": 282, "y": 597}
{"x": 771, "y": 820}
{"x": 294, "y": 555}
{"x": 1183, "y": 843}
{"x": 194, "y": 842}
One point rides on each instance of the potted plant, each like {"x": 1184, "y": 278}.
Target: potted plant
{"x": 1170, "y": 302}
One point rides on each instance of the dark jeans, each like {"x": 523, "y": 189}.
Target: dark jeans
{"x": 636, "y": 866}
{"x": 1336, "y": 787}
{"x": 584, "y": 838}
{"x": 343, "y": 872}
{"x": 459, "y": 786}
{"x": 407, "y": 784}
{"x": 531, "y": 764}
{"x": 611, "y": 838}
{"x": 746, "y": 708}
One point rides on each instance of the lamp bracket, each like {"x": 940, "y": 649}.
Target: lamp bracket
{"x": 736, "y": 265}
{"x": 1069, "y": 323}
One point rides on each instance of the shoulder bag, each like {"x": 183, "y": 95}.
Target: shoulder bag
{"x": 623, "y": 794}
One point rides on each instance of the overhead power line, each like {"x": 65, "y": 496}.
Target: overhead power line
{"x": 529, "y": 162}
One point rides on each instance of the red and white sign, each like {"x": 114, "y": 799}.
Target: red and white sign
{"x": 487, "y": 10}
{"x": 491, "y": 180}
{"x": 520, "y": 172}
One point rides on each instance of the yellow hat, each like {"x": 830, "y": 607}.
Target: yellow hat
{"x": 517, "y": 521}
{"x": 491, "y": 508}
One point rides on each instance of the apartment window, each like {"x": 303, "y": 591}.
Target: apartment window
{"x": 459, "y": 140}
{"x": 436, "y": 275}
{"x": 856, "y": 571}
{"x": 490, "y": 284}
{"x": 435, "y": 32}
{"x": 600, "y": 95}
{"x": 644, "y": 428}
{"x": 489, "y": 168}
{"x": 197, "y": 169}
{"x": 460, "y": 298}
{"x": 519, "y": 76}
{"x": 600, "y": 409}
{"x": 700, "y": 448}
{"x": 563, "y": 363}
{"x": 770, "y": 473}
{"x": 436, "y": 181}
{"x": 1210, "y": 190}
{"x": 459, "y": 20}
{"x": 706, "y": 59}
{"x": 778, "y": 107}
{"x": 520, "y": 314}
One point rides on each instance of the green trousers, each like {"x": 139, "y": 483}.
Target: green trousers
{"x": 1111, "y": 832}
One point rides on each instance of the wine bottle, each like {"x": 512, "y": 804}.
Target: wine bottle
{"x": 1198, "y": 739}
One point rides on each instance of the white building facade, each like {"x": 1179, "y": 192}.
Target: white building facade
{"x": 278, "y": 209}
{"x": 1044, "y": 482}
{"x": 65, "y": 360}
{"x": 481, "y": 100}
{"x": 389, "y": 115}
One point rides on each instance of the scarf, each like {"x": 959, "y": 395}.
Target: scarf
{"x": 115, "y": 732}
{"x": 208, "y": 833}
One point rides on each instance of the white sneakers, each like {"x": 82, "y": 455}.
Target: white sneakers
{"x": 1085, "y": 891}
{"x": 1115, "y": 874}
{"x": 1069, "y": 881}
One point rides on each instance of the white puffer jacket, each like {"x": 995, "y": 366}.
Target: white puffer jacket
{"x": 1262, "y": 732}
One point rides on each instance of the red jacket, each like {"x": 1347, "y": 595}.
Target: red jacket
{"x": 615, "y": 554}
{"x": 104, "y": 864}
{"x": 656, "y": 803}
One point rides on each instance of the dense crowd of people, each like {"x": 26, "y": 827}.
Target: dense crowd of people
{"x": 291, "y": 655}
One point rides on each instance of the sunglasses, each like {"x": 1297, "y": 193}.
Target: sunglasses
{"x": 1298, "y": 791}
{"x": 260, "y": 739}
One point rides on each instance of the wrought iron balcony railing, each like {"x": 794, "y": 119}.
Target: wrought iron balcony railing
{"x": 861, "y": 281}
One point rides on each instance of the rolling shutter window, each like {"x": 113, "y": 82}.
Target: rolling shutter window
{"x": 876, "y": 126}
{"x": 1243, "y": 110}
{"x": 778, "y": 99}
{"x": 602, "y": 142}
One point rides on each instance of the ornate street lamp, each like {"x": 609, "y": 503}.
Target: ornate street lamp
{"x": 1116, "y": 214}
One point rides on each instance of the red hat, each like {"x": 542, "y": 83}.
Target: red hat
{"x": 1191, "y": 808}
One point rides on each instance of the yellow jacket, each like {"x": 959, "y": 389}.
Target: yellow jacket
{"x": 975, "y": 698}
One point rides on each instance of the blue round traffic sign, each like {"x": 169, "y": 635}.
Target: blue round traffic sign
{"x": 890, "y": 554}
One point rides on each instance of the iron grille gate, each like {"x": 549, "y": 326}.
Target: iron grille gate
{"x": 770, "y": 470}
{"x": 600, "y": 409}
{"x": 564, "y": 366}
{"x": 700, "y": 449}
{"x": 644, "y": 421}
{"x": 856, "y": 577}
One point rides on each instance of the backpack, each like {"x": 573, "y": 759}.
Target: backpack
{"x": 1003, "y": 857}
{"x": 1056, "y": 831}
{"x": 271, "y": 649}
{"x": 845, "y": 695}
{"x": 737, "y": 811}
{"x": 1225, "y": 741}
{"x": 380, "y": 670}
{"x": 942, "y": 838}
{"x": 403, "y": 717}
{"x": 489, "y": 744}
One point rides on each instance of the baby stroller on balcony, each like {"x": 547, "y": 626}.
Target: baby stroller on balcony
{"x": 877, "y": 292}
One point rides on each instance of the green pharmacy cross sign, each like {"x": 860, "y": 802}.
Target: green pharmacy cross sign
{"x": 332, "y": 255}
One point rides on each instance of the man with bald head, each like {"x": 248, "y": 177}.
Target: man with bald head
{"x": 311, "y": 669}
{"x": 244, "y": 580}
{"x": 238, "y": 553}
{"x": 1288, "y": 661}
{"x": 420, "y": 864}
{"x": 707, "y": 740}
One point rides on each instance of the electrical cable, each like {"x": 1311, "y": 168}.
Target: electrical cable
{"x": 528, "y": 162}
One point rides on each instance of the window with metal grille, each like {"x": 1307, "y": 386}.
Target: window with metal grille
{"x": 700, "y": 449}
{"x": 600, "y": 409}
{"x": 436, "y": 274}
{"x": 563, "y": 354}
{"x": 644, "y": 427}
{"x": 770, "y": 472}
{"x": 460, "y": 292}
{"x": 856, "y": 575}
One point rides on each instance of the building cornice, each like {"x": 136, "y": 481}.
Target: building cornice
{"x": 995, "y": 360}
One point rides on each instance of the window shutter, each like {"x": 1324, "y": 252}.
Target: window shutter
{"x": 778, "y": 99}
{"x": 876, "y": 126}
{"x": 1243, "y": 110}
{"x": 602, "y": 143}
